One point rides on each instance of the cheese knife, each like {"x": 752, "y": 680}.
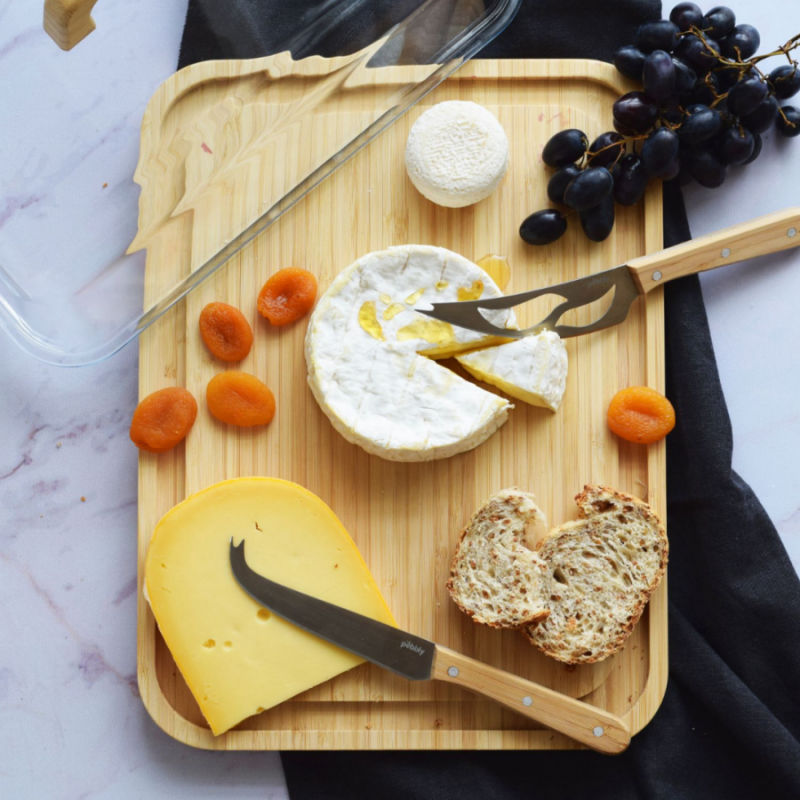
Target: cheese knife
{"x": 767, "y": 234}
{"x": 418, "y": 659}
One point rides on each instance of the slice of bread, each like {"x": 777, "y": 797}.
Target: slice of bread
{"x": 495, "y": 577}
{"x": 602, "y": 568}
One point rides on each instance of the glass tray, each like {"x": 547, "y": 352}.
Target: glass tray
{"x": 71, "y": 300}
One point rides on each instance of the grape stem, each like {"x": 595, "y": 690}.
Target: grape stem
{"x": 744, "y": 65}
{"x": 622, "y": 143}
{"x": 786, "y": 119}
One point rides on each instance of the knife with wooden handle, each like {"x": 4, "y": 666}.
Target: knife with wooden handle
{"x": 758, "y": 237}
{"x": 418, "y": 659}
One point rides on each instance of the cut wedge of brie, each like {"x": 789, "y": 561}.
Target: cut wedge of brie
{"x": 533, "y": 369}
{"x": 369, "y": 355}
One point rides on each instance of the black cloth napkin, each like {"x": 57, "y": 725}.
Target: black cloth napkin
{"x": 729, "y": 726}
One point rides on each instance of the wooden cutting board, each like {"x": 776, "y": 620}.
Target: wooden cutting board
{"x": 209, "y": 165}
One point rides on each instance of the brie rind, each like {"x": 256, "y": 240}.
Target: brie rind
{"x": 533, "y": 369}
{"x": 363, "y": 348}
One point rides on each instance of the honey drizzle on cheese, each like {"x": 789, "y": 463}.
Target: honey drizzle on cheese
{"x": 430, "y": 330}
{"x": 441, "y": 286}
{"x": 473, "y": 293}
{"x": 392, "y": 311}
{"x": 412, "y": 298}
{"x": 368, "y": 319}
{"x": 498, "y": 269}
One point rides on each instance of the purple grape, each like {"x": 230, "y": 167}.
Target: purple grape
{"x": 673, "y": 171}
{"x": 790, "y": 126}
{"x": 685, "y": 77}
{"x": 744, "y": 37}
{"x": 756, "y": 149}
{"x": 630, "y": 181}
{"x": 660, "y": 35}
{"x": 706, "y": 169}
{"x": 543, "y": 227}
{"x": 629, "y": 60}
{"x": 698, "y": 55}
{"x": 589, "y": 189}
{"x": 746, "y": 96}
{"x": 785, "y": 81}
{"x": 559, "y": 181}
{"x": 658, "y": 75}
{"x": 686, "y": 15}
{"x": 727, "y": 79}
{"x": 598, "y": 222}
{"x": 659, "y": 152}
{"x": 635, "y": 112}
{"x": 609, "y": 156}
{"x": 566, "y": 147}
{"x": 702, "y": 92}
{"x": 672, "y": 111}
{"x": 763, "y": 117}
{"x": 735, "y": 146}
{"x": 719, "y": 22}
{"x": 701, "y": 125}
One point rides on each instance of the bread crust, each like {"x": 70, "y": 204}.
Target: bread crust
{"x": 592, "y": 502}
{"x": 520, "y": 508}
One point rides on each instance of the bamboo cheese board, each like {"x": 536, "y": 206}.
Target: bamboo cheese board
{"x": 208, "y": 167}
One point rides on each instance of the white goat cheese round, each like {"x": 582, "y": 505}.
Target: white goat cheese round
{"x": 456, "y": 153}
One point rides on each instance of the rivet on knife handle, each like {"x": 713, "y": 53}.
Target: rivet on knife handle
{"x": 592, "y": 726}
{"x": 758, "y": 237}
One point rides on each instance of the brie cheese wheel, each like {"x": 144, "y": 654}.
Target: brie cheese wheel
{"x": 533, "y": 369}
{"x": 457, "y": 153}
{"x": 369, "y": 355}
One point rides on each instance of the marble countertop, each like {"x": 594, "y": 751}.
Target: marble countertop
{"x": 71, "y": 723}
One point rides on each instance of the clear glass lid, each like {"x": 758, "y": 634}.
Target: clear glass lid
{"x": 72, "y": 267}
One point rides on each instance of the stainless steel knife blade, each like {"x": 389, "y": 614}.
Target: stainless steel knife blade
{"x": 576, "y": 293}
{"x": 391, "y": 648}
{"x": 768, "y": 234}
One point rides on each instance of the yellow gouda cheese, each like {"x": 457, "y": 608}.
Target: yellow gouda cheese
{"x": 236, "y": 657}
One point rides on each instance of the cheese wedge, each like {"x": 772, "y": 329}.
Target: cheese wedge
{"x": 236, "y": 657}
{"x": 369, "y": 355}
{"x": 533, "y": 369}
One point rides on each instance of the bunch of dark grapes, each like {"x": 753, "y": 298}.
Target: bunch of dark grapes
{"x": 703, "y": 107}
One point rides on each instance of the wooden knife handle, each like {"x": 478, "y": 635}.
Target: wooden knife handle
{"x": 760, "y": 236}
{"x": 591, "y": 726}
{"x": 66, "y": 22}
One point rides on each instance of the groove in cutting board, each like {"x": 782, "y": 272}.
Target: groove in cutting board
{"x": 405, "y": 518}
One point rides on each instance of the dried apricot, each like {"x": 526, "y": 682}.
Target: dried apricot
{"x": 240, "y": 399}
{"x": 288, "y": 295}
{"x": 225, "y": 331}
{"x": 640, "y": 414}
{"x": 162, "y": 419}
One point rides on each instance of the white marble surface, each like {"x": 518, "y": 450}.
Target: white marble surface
{"x": 71, "y": 723}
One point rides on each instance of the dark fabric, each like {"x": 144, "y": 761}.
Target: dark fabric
{"x": 729, "y": 726}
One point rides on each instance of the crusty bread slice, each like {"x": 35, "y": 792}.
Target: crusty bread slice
{"x": 603, "y": 569}
{"x": 495, "y": 577}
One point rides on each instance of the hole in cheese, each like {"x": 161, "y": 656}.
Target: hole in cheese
{"x": 272, "y": 660}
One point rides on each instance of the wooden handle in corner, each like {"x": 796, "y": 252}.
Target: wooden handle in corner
{"x": 760, "y": 236}
{"x": 591, "y": 726}
{"x": 68, "y": 21}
